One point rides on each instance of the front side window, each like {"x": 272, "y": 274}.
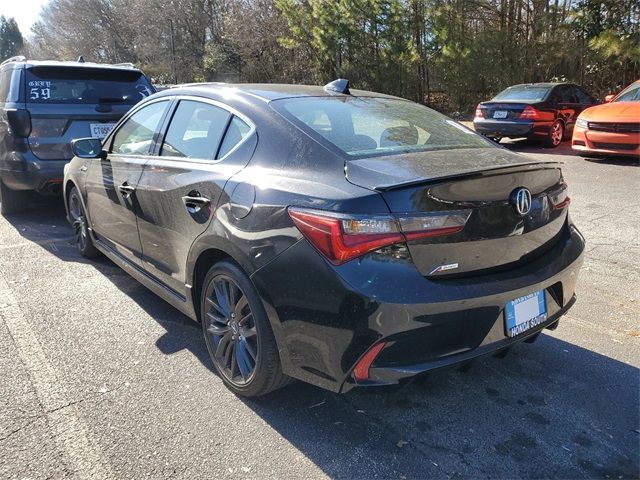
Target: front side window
{"x": 523, "y": 93}
{"x": 86, "y": 85}
{"x": 135, "y": 136}
{"x": 631, "y": 94}
{"x": 195, "y": 130}
{"x": 377, "y": 126}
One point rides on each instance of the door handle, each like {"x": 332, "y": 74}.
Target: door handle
{"x": 126, "y": 190}
{"x": 194, "y": 202}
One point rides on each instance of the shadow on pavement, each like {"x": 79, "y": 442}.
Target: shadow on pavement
{"x": 551, "y": 409}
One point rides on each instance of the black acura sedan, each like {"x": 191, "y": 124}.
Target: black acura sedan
{"x": 340, "y": 237}
{"x": 539, "y": 111}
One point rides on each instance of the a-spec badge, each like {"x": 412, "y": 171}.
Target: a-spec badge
{"x": 444, "y": 268}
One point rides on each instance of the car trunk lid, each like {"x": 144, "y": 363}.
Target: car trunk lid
{"x": 482, "y": 183}
{"x": 502, "y": 110}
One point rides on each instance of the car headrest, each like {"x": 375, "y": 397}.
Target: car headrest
{"x": 395, "y": 136}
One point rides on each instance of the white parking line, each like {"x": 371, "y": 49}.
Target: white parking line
{"x": 69, "y": 429}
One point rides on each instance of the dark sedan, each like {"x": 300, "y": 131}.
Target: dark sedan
{"x": 344, "y": 238}
{"x": 540, "y": 111}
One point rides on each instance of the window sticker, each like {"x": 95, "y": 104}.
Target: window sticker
{"x": 39, "y": 90}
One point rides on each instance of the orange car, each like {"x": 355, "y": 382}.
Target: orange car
{"x": 612, "y": 128}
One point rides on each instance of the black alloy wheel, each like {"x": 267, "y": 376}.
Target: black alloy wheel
{"x": 237, "y": 333}
{"x": 83, "y": 241}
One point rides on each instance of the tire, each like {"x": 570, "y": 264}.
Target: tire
{"x": 11, "y": 201}
{"x": 239, "y": 339}
{"x": 555, "y": 135}
{"x": 82, "y": 238}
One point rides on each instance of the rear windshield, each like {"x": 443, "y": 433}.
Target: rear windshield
{"x": 527, "y": 93}
{"x": 85, "y": 85}
{"x": 376, "y": 126}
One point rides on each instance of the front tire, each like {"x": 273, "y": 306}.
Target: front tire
{"x": 11, "y": 201}
{"x": 238, "y": 334}
{"x": 83, "y": 240}
{"x": 555, "y": 135}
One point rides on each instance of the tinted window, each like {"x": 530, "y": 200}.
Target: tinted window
{"x": 631, "y": 94}
{"x": 5, "y": 83}
{"x": 236, "y": 132}
{"x": 565, "y": 94}
{"x": 526, "y": 93}
{"x": 85, "y": 85}
{"x": 583, "y": 96}
{"x": 195, "y": 130}
{"x": 135, "y": 136}
{"x": 370, "y": 126}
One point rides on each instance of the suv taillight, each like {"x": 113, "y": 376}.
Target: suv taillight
{"x": 341, "y": 237}
{"x": 479, "y": 112}
{"x": 19, "y": 122}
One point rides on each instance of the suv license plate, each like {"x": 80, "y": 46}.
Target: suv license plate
{"x": 525, "y": 313}
{"x": 500, "y": 114}
{"x": 101, "y": 130}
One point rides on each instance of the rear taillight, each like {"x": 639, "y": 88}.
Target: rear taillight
{"x": 19, "y": 122}
{"x": 341, "y": 238}
{"x": 479, "y": 112}
{"x": 530, "y": 113}
{"x": 560, "y": 198}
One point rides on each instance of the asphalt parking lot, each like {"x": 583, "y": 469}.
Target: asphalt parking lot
{"x": 101, "y": 379}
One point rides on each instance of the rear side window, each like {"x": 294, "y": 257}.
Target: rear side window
{"x": 85, "y": 85}
{"x": 135, "y": 136}
{"x": 524, "y": 93}
{"x": 195, "y": 130}
{"x": 236, "y": 132}
{"x": 377, "y": 126}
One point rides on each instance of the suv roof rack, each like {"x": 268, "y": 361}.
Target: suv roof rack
{"x": 17, "y": 58}
{"x": 124, "y": 64}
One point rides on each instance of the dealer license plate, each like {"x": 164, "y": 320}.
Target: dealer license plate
{"x": 525, "y": 313}
{"x": 500, "y": 114}
{"x": 101, "y": 130}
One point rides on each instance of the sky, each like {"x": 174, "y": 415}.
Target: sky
{"x": 26, "y": 12}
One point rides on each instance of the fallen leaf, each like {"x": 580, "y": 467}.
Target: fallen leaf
{"x": 401, "y": 443}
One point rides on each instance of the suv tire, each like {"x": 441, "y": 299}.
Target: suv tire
{"x": 11, "y": 201}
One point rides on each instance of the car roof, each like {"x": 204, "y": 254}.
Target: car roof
{"x": 540, "y": 84}
{"x": 69, "y": 63}
{"x": 264, "y": 91}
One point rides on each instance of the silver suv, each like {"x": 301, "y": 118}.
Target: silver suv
{"x": 46, "y": 104}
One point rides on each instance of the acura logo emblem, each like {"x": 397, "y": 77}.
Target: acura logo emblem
{"x": 521, "y": 200}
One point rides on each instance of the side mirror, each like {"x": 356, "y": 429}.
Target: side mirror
{"x": 88, "y": 148}
{"x": 608, "y": 98}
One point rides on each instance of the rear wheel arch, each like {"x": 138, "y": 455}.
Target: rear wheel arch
{"x": 206, "y": 259}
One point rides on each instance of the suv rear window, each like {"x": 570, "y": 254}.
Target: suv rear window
{"x": 527, "y": 93}
{"x": 369, "y": 126}
{"x": 85, "y": 85}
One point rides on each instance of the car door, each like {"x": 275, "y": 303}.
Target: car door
{"x": 203, "y": 146}
{"x": 111, "y": 182}
{"x": 567, "y": 106}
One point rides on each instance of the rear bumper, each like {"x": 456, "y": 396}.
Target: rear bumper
{"x": 605, "y": 143}
{"x": 325, "y": 318}
{"x": 511, "y": 128}
{"x": 24, "y": 171}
